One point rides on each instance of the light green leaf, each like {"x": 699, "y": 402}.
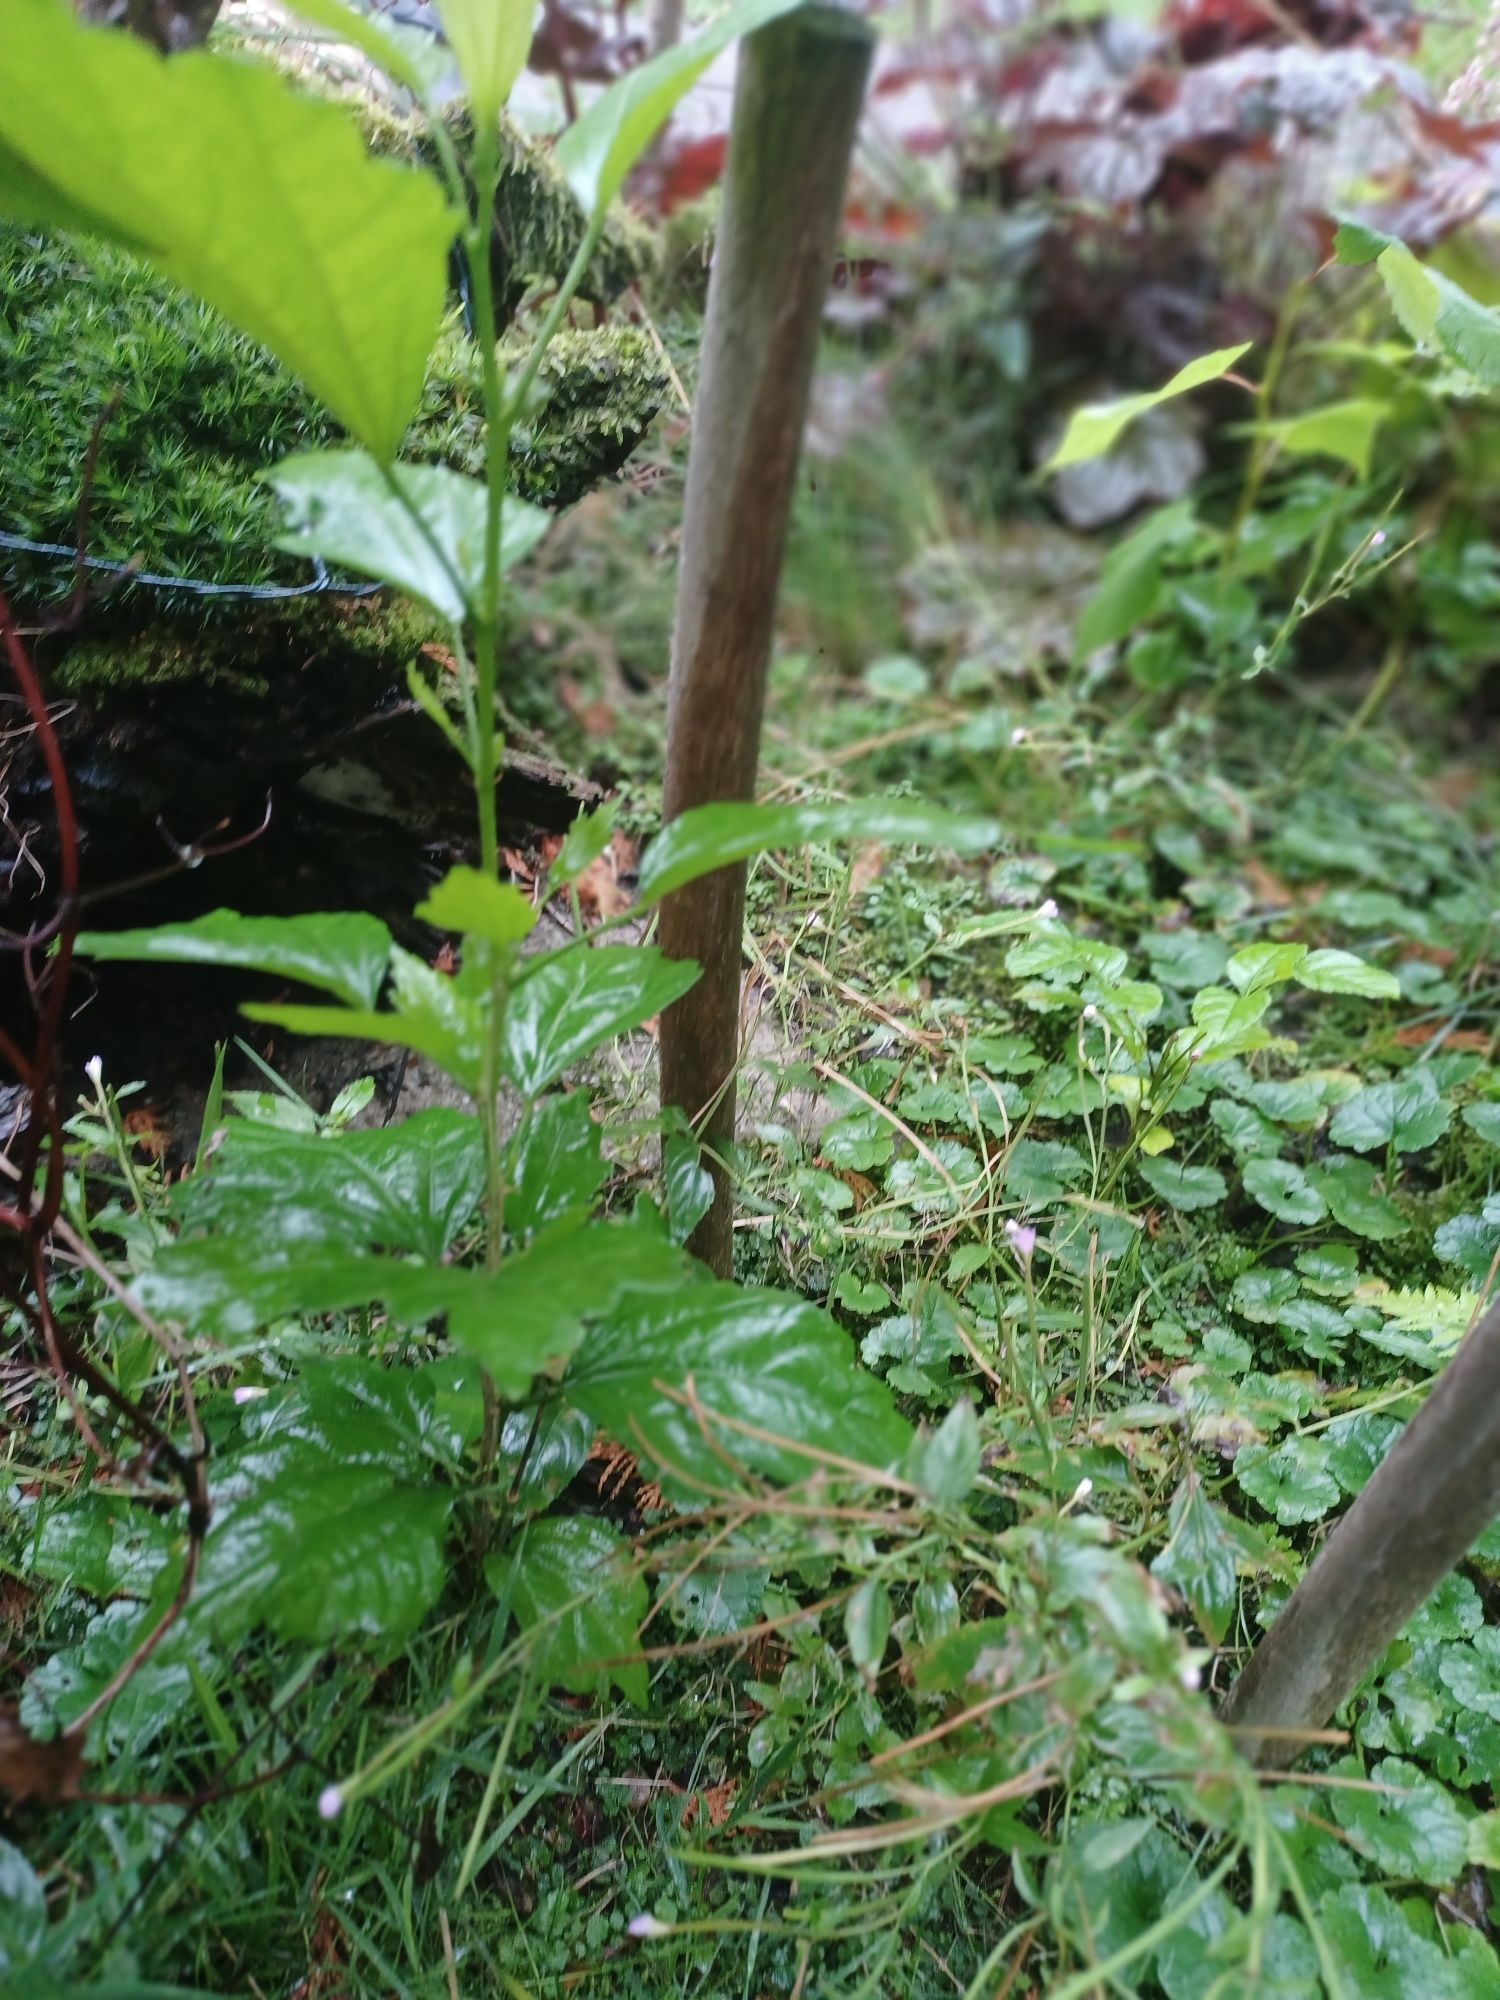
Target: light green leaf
{"x": 1438, "y": 313}
{"x": 599, "y": 148}
{"x": 1094, "y": 429}
{"x": 554, "y": 1166}
{"x": 566, "y": 1005}
{"x": 714, "y": 836}
{"x": 1131, "y": 584}
{"x": 583, "y": 843}
{"x": 1228, "y": 1023}
{"x": 572, "y": 1582}
{"x": 1343, "y": 430}
{"x": 262, "y": 201}
{"x": 1348, "y": 1187}
{"x": 1293, "y": 1482}
{"x": 867, "y": 1625}
{"x": 479, "y": 906}
{"x": 1262, "y": 965}
{"x": 946, "y": 1462}
{"x": 1343, "y": 972}
{"x": 1380, "y": 1956}
{"x": 761, "y": 1358}
{"x": 1184, "y": 1188}
{"x": 1412, "y": 1832}
{"x": 1485, "y": 1120}
{"x": 338, "y": 952}
{"x": 1406, "y": 1112}
{"x": 1471, "y": 1240}
{"x": 1356, "y": 242}
{"x": 1283, "y": 1190}
{"x": 491, "y": 39}
{"x": 418, "y": 527}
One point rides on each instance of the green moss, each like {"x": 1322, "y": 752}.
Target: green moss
{"x": 364, "y": 643}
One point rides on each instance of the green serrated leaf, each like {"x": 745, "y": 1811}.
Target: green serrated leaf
{"x": 338, "y": 952}
{"x": 554, "y": 1166}
{"x": 1344, "y": 972}
{"x": 407, "y": 1187}
{"x": 562, "y": 1008}
{"x": 420, "y": 528}
{"x": 1412, "y": 1832}
{"x": 760, "y": 1358}
{"x": 573, "y": 1585}
{"x": 259, "y": 199}
{"x": 1292, "y": 1482}
{"x": 477, "y": 905}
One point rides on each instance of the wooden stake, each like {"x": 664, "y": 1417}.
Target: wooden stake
{"x": 1430, "y": 1500}
{"x": 798, "y": 93}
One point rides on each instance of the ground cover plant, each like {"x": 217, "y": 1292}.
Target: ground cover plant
{"x": 1112, "y": 1198}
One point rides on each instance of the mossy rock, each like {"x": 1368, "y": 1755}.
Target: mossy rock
{"x": 201, "y": 411}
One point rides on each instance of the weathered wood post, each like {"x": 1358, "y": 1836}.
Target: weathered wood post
{"x": 798, "y": 93}
{"x": 1430, "y": 1500}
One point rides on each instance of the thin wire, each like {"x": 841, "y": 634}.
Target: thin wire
{"x": 196, "y": 586}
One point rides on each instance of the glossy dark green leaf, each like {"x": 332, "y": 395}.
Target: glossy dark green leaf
{"x": 101, "y": 1543}
{"x": 322, "y": 1545}
{"x": 260, "y": 199}
{"x": 410, "y": 1186}
{"x": 688, "y": 1184}
{"x": 429, "y": 1412}
{"x": 540, "y": 1304}
{"x": 710, "y": 837}
{"x": 762, "y": 1358}
{"x": 431, "y": 1014}
{"x": 565, "y": 1006}
{"x": 419, "y": 527}
{"x": 340, "y": 952}
{"x": 572, "y": 1583}
{"x": 554, "y": 1165}
{"x": 540, "y": 1451}
{"x": 515, "y": 1320}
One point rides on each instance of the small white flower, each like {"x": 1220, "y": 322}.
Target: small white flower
{"x": 330, "y": 1802}
{"x": 1091, "y": 1012}
{"x": 1020, "y": 736}
{"x": 647, "y": 1926}
{"x": 1082, "y": 1491}
{"x": 1191, "y": 1676}
{"x": 1048, "y": 909}
{"x": 1377, "y": 540}
{"x": 93, "y": 1069}
{"x": 249, "y": 1394}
